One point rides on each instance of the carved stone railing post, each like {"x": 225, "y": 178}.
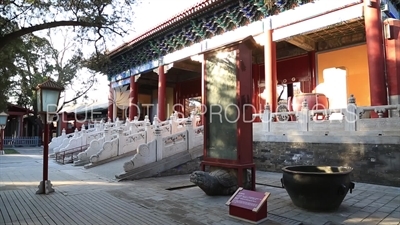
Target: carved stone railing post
{"x": 107, "y": 135}
{"x": 63, "y": 133}
{"x": 117, "y": 122}
{"x": 175, "y": 115}
{"x": 193, "y": 117}
{"x": 84, "y": 136}
{"x": 121, "y": 140}
{"x": 101, "y": 125}
{"x": 397, "y": 111}
{"x": 159, "y": 144}
{"x": 266, "y": 118}
{"x": 380, "y": 111}
{"x": 304, "y": 117}
{"x": 148, "y": 129}
{"x": 350, "y": 116}
{"x": 155, "y": 121}
{"x": 131, "y": 127}
{"x": 121, "y": 123}
{"x": 76, "y": 133}
{"x": 190, "y": 133}
{"x": 193, "y": 114}
{"x": 173, "y": 124}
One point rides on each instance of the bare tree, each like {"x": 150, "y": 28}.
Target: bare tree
{"x": 91, "y": 23}
{"x": 93, "y": 20}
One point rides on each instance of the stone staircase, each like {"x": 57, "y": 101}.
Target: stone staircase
{"x": 168, "y": 163}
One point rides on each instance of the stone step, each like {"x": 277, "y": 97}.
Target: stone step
{"x": 156, "y": 168}
{"x": 128, "y": 154}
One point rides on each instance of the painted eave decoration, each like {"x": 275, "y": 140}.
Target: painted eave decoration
{"x": 204, "y": 20}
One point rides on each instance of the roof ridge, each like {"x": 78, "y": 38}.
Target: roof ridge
{"x": 178, "y": 16}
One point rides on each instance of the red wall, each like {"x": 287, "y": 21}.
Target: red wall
{"x": 297, "y": 68}
{"x": 191, "y": 88}
{"x": 301, "y": 68}
{"x": 187, "y": 89}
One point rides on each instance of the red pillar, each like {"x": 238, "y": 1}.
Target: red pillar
{"x": 375, "y": 51}
{"x": 161, "y": 93}
{"x": 256, "y": 98}
{"x": 270, "y": 71}
{"x": 274, "y": 74}
{"x": 393, "y": 60}
{"x": 133, "y": 98}
{"x": 110, "y": 111}
{"x": 177, "y": 98}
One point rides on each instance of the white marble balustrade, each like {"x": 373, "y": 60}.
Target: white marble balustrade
{"x": 76, "y": 135}
{"x": 353, "y": 118}
{"x": 107, "y": 140}
{"x": 166, "y": 146}
{"x": 95, "y": 146}
{"x": 58, "y": 141}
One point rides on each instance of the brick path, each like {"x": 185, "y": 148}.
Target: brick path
{"x": 85, "y": 197}
{"x": 97, "y": 208}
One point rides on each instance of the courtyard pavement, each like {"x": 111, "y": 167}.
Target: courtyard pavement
{"x": 91, "y": 196}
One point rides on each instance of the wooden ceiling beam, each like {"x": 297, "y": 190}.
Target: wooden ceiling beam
{"x": 187, "y": 66}
{"x": 151, "y": 82}
{"x": 302, "y": 42}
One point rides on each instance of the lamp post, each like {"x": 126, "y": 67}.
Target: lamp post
{"x": 47, "y": 95}
{"x": 3, "y": 123}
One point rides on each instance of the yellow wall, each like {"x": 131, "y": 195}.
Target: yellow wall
{"x": 144, "y": 99}
{"x": 354, "y": 59}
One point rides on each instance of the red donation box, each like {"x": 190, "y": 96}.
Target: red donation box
{"x": 248, "y": 205}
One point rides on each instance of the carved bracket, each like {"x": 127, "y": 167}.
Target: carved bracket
{"x": 166, "y": 68}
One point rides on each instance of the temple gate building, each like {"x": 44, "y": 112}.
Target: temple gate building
{"x": 324, "y": 78}
{"x": 337, "y": 48}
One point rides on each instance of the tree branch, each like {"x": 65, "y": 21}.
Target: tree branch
{"x": 19, "y": 33}
{"x": 76, "y": 97}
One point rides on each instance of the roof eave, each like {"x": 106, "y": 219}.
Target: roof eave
{"x": 164, "y": 26}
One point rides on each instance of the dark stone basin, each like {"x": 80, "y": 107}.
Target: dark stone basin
{"x": 317, "y": 188}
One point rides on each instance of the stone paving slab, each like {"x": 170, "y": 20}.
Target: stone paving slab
{"x": 90, "y": 197}
{"x": 23, "y": 206}
{"x": 368, "y": 204}
{"x": 83, "y": 197}
{"x": 97, "y": 208}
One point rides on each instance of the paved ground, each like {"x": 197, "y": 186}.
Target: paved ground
{"x": 90, "y": 196}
